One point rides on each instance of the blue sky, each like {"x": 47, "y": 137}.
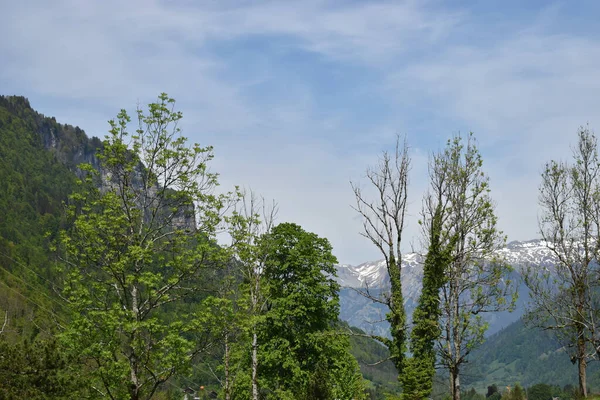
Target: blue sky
{"x": 299, "y": 97}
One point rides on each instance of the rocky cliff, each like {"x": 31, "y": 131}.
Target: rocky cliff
{"x": 71, "y": 146}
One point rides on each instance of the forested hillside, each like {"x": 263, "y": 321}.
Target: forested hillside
{"x": 525, "y": 355}
{"x": 36, "y": 180}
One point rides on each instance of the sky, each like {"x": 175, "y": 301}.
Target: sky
{"x": 298, "y": 98}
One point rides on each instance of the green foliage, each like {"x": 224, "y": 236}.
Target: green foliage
{"x": 131, "y": 235}
{"x": 139, "y": 245}
{"x": 516, "y": 393}
{"x": 543, "y": 391}
{"x": 35, "y": 370}
{"x": 472, "y": 395}
{"x": 34, "y": 186}
{"x": 523, "y": 354}
{"x": 397, "y": 316}
{"x": 301, "y": 354}
{"x": 476, "y": 278}
{"x": 36, "y": 183}
{"x": 492, "y": 389}
{"x": 139, "y": 263}
{"x": 373, "y": 359}
{"x": 419, "y": 370}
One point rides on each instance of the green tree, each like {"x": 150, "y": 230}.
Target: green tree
{"x": 516, "y": 393}
{"x": 383, "y": 224}
{"x": 142, "y": 241}
{"x": 491, "y": 390}
{"x": 250, "y": 221}
{"x": 36, "y": 370}
{"x": 302, "y": 356}
{"x": 473, "y": 395}
{"x": 541, "y": 391}
{"x": 419, "y": 371}
{"x": 566, "y": 298}
{"x": 476, "y": 280}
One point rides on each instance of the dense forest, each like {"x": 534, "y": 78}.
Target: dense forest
{"x": 116, "y": 280}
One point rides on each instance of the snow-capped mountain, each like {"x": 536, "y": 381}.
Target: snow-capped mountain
{"x": 373, "y": 275}
{"x": 531, "y": 252}
{"x": 368, "y": 315}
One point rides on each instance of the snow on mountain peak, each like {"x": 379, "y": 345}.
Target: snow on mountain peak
{"x": 360, "y": 311}
{"x": 374, "y": 275}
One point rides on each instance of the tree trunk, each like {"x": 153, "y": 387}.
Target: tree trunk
{"x": 254, "y": 365}
{"x": 454, "y": 383}
{"x": 134, "y": 393}
{"x": 227, "y": 384}
{"x": 582, "y": 364}
{"x": 133, "y": 361}
{"x": 581, "y": 342}
{"x": 582, "y": 377}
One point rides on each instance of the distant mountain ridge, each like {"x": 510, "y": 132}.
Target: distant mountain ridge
{"x": 368, "y": 315}
{"x": 373, "y": 273}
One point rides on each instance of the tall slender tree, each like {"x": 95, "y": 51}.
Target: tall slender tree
{"x": 419, "y": 371}
{"x": 464, "y": 259}
{"x": 383, "y": 223}
{"x": 250, "y": 224}
{"x": 566, "y": 298}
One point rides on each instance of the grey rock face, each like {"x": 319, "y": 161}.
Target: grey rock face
{"x": 73, "y": 147}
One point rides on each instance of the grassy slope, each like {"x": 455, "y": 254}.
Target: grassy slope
{"x": 519, "y": 354}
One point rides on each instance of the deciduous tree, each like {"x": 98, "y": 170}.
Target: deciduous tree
{"x": 419, "y": 371}
{"x": 383, "y": 223}
{"x": 142, "y": 240}
{"x": 302, "y": 356}
{"x": 249, "y": 226}
{"x": 566, "y": 297}
{"x": 465, "y": 240}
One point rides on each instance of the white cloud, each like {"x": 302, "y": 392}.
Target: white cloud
{"x": 524, "y": 97}
{"x": 523, "y": 94}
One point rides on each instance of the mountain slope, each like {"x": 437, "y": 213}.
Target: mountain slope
{"x": 36, "y": 181}
{"x": 369, "y": 315}
{"x": 526, "y": 355}
{"x": 513, "y": 353}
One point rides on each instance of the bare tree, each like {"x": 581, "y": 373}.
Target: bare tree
{"x": 383, "y": 223}
{"x": 252, "y": 219}
{"x": 460, "y": 218}
{"x": 566, "y": 297}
